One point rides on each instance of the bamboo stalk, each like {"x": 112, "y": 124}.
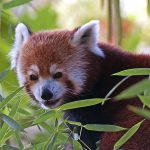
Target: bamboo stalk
{"x": 118, "y": 25}
{"x": 148, "y": 7}
{"x": 109, "y": 19}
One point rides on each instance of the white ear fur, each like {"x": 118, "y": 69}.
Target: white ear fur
{"x": 21, "y": 35}
{"x": 88, "y": 35}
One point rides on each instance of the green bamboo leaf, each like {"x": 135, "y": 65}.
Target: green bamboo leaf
{"x": 74, "y": 123}
{"x": 23, "y": 111}
{"x": 15, "y": 3}
{"x": 4, "y": 131}
{"x": 1, "y": 98}
{"x": 103, "y": 127}
{"x": 4, "y": 74}
{"x": 18, "y": 139}
{"x": 134, "y": 90}
{"x": 81, "y": 103}
{"x": 43, "y": 117}
{"x": 132, "y": 72}
{"x": 127, "y": 135}
{"x": 50, "y": 143}
{"x": 14, "y": 108}
{"x": 77, "y": 145}
{"x": 140, "y": 111}
{"x": 8, "y": 147}
{"x": 115, "y": 87}
{"x": 9, "y": 97}
{"x": 47, "y": 128}
{"x": 145, "y": 100}
{"x": 12, "y": 123}
{"x": 38, "y": 146}
{"x": 8, "y": 135}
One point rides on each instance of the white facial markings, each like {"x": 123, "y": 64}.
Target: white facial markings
{"x": 20, "y": 75}
{"x": 78, "y": 76}
{"x": 34, "y": 68}
{"x": 55, "y": 87}
{"x": 53, "y": 68}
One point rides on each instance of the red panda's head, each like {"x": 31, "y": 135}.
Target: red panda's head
{"x": 52, "y": 65}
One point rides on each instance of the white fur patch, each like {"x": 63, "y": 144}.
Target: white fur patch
{"x": 20, "y": 75}
{"x": 88, "y": 35}
{"x": 34, "y": 69}
{"x": 55, "y": 87}
{"x": 21, "y": 35}
{"x": 78, "y": 76}
{"x": 53, "y": 68}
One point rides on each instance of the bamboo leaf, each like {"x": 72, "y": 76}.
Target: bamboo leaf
{"x": 1, "y": 98}
{"x": 134, "y": 90}
{"x": 18, "y": 139}
{"x": 47, "y": 128}
{"x": 15, "y": 3}
{"x": 140, "y": 111}
{"x": 38, "y": 146}
{"x": 145, "y": 100}
{"x": 12, "y": 123}
{"x": 77, "y": 145}
{"x": 50, "y": 144}
{"x": 3, "y": 131}
{"x": 14, "y": 108}
{"x": 5, "y": 128}
{"x": 4, "y": 74}
{"x": 103, "y": 127}
{"x": 23, "y": 111}
{"x": 74, "y": 123}
{"x": 115, "y": 87}
{"x": 127, "y": 135}
{"x": 81, "y": 103}
{"x": 133, "y": 72}
{"x": 43, "y": 117}
{"x": 9, "y": 97}
{"x": 8, "y": 147}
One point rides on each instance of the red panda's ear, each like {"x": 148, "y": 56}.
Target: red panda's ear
{"x": 21, "y": 36}
{"x": 88, "y": 35}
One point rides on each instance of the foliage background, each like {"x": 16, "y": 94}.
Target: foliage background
{"x": 122, "y": 23}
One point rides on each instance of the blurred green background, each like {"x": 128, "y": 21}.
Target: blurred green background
{"x": 122, "y": 23}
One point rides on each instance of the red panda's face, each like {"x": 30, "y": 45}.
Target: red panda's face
{"x": 50, "y": 68}
{"x": 54, "y": 65}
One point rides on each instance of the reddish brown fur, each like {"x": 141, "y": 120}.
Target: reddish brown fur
{"x": 115, "y": 61}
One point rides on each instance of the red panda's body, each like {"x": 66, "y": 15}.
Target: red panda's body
{"x": 113, "y": 112}
{"x": 57, "y": 67}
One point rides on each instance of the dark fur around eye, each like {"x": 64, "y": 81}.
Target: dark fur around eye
{"x": 58, "y": 75}
{"x": 33, "y": 77}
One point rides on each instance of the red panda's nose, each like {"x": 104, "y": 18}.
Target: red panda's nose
{"x": 46, "y": 94}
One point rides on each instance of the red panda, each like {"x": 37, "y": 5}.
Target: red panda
{"x": 59, "y": 66}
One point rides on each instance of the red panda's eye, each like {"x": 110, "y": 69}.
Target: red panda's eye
{"x": 33, "y": 77}
{"x": 57, "y": 75}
